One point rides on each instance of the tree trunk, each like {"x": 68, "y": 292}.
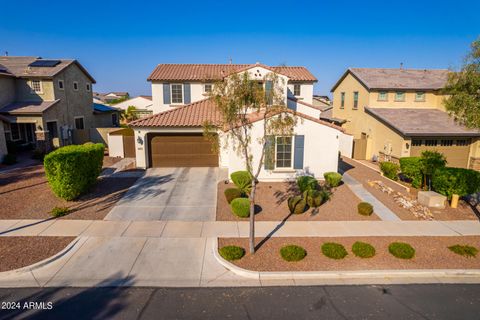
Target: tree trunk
{"x": 252, "y": 218}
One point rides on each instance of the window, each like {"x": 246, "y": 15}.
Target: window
{"x": 88, "y": 87}
{"x": 416, "y": 142}
{"x": 296, "y": 90}
{"x": 419, "y": 96}
{"x": 52, "y": 129}
{"x": 75, "y": 85}
{"x": 79, "y": 125}
{"x": 283, "y": 152}
{"x": 355, "y": 100}
{"x": 177, "y": 93}
{"x": 207, "y": 87}
{"x": 430, "y": 143}
{"x": 114, "y": 119}
{"x": 446, "y": 142}
{"x": 382, "y": 96}
{"x": 36, "y": 86}
{"x": 342, "y": 100}
{"x": 463, "y": 142}
{"x": 60, "y": 84}
{"x": 14, "y": 131}
{"x": 400, "y": 96}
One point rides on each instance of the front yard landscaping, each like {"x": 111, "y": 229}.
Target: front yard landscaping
{"x": 358, "y": 253}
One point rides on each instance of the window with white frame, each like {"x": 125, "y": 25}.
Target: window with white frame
{"x": 399, "y": 96}
{"x": 177, "y": 93}
{"x": 79, "y": 125}
{"x": 382, "y": 96}
{"x": 419, "y": 96}
{"x": 75, "y": 85}
{"x": 296, "y": 90}
{"x": 207, "y": 87}
{"x": 87, "y": 86}
{"x": 36, "y": 86}
{"x": 283, "y": 152}
{"x": 60, "y": 84}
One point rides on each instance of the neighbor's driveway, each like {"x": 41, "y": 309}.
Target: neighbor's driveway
{"x": 187, "y": 194}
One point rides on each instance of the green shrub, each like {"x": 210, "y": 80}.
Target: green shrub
{"x": 233, "y": 193}
{"x": 466, "y": 251}
{"x": 307, "y": 183}
{"x": 363, "y": 249}
{"x": 390, "y": 170}
{"x": 59, "y": 211}
{"x": 231, "y": 252}
{"x": 448, "y": 181}
{"x": 313, "y": 198}
{"x": 334, "y": 250}
{"x": 243, "y": 180}
{"x": 411, "y": 168}
{"x": 292, "y": 253}
{"x": 365, "y": 209}
{"x": 9, "y": 159}
{"x": 72, "y": 170}
{"x": 401, "y": 250}
{"x": 241, "y": 207}
{"x": 332, "y": 179}
{"x": 297, "y": 205}
{"x": 325, "y": 194}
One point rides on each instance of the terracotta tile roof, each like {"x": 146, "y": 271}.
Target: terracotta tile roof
{"x": 421, "y": 122}
{"x": 191, "y": 115}
{"x": 406, "y": 79}
{"x": 212, "y": 72}
{"x": 27, "y": 107}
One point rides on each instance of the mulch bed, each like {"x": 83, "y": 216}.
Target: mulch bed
{"x": 25, "y": 194}
{"x": 18, "y": 252}
{"x": 431, "y": 253}
{"x": 363, "y": 174}
{"x": 272, "y": 199}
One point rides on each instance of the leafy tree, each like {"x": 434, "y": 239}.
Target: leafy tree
{"x": 241, "y": 99}
{"x": 463, "y": 88}
{"x": 130, "y": 114}
{"x": 430, "y": 162}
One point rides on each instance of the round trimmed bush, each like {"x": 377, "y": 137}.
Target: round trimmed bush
{"x": 332, "y": 179}
{"x": 313, "y": 198}
{"x": 307, "y": 183}
{"x": 292, "y": 253}
{"x": 232, "y": 193}
{"x": 297, "y": 205}
{"x": 334, "y": 250}
{"x": 363, "y": 249}
{"x": 231, "y": 252}
{"x": 241, "y": 207}
{"x": 365, "y": 209}
{"x": 243, "y": 180}
{"x": 401, "y": 250}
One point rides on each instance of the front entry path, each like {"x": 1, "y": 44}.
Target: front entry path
{"x": 182, "y": 194}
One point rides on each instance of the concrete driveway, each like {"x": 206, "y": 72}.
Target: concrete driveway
{"x": 185, "y": 194}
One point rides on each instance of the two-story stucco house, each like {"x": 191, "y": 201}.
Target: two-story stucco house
{"x": 394, "y": 113}
{"x": 41, "y": 100}
{"x": 172, "y": 136}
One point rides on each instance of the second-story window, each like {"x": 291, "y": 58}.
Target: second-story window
{"x": 342, "y": 100}
{"x": 177, "y": 93}
{"x": 296, "y": 90}
{"x": 207, "y": 87}
{"x": 399, "y": 96}
{"x": 75, "y": 85}
{"x": 88, "y": 87}
{"x": 36, "y": 86}
{"x": 60, "y": 84}
{"x": 382, "y": 96}
{"x": 355, "y": 100}
{"x": 419, "y": 96}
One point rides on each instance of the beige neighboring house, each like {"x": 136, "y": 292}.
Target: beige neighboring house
{"x": 394, "y": 113}
{"x": 43, "y": 100}
{"x": 143, "y": 106}
{"x": 110, "y": 97}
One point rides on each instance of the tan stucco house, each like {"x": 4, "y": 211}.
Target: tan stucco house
{"x": 394, "y": 113}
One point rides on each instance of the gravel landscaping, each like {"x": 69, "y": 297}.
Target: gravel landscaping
{"x": 272, "y": 200}
{"x": 25, "y": 194}
{"x": 18, "y": 252}
{"x": 430, "y": 253}
{"x": 363, "y": 174}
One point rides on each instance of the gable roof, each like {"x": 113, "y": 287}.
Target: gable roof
{"x": 19, "y": 67}
{"x": 421, "y": 122}
{"x": 395, "y": 79}
{"x": 213, "y": 72}
{"x": 27, "y": 107}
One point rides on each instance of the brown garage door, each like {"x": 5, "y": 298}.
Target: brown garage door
{"x": 457, "y": 155}
{"x": 181, "y": 150}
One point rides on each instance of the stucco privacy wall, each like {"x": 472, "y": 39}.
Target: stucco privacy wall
{"x": 309, "y": 111}
{"x": 345, "y": 144}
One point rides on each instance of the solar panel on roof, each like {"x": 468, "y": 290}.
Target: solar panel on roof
{"x": 44, "y": 63}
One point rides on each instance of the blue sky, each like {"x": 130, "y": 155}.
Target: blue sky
{"x": 120, "y": 42}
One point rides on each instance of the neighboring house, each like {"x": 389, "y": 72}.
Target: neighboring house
{"x": 143, "y": 105}
{"x": 44, "y": 100}
{"x": 106, "y": 116}
{"x": 172, "y": 137}
{"x": 394, "y": 113}
{"x": 111, "y": 97}
{"x": 321, "y": 101}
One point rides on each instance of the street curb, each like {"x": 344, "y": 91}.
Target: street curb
{"x": 433, "y": 274}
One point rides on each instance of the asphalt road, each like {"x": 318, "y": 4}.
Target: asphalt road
{"x": 330, "y": 302}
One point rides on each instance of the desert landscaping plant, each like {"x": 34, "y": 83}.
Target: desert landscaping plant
{"x": 332, "y": 179}
{"x": 411, "y": 168}
{"x": 242, "y": 180}
{"x": 241, "y": 207}
{"x": 231, "y": 253}
{"x": 363, "y": 249}
{"x": 293, "y": 253}
{"x": 431, "y": 161}
{"x": 464, "y": 250}
{"x": 365, "y": 209}
{"x": 401, "y": 250}
{"x": 313, "y": 198}
{"x": 334, "y": 250}
{"x": 306, "y": 183}
{"x": 296, "y": 204}
{"x": 59, "y": 212}
{"x": 390, "y": 170}
{"x": 232, "y": 193}
{"x": 449, "y": 181}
